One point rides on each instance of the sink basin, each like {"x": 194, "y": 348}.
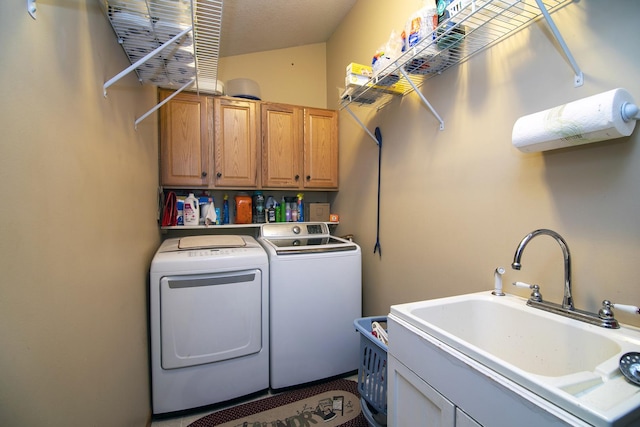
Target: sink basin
{"x": 571, "y": 363}
{"x": 515, "y": 336}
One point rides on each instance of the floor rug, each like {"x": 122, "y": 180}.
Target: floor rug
{"x": 332, "y": 404}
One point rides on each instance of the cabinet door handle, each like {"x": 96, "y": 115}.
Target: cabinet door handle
{"x": 308, "y": 177}
{"x": 297, "y": 177}
{"x": 219, "y": 174}
{"x": 204, "y": 174}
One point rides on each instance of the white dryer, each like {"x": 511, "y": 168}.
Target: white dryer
{"x": 209, "y": 321}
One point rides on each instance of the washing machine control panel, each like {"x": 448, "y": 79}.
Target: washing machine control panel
{"x": 314, "y": 229}
{"x": 281, "y": 230}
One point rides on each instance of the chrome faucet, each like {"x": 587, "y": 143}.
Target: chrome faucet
{"x": 567, "y": 301}
{"x": 603, "y": 318}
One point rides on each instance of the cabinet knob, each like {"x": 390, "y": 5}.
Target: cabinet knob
{"x": 203, "y": 174}
{"x": 308, "y": 177}
{"x": 297, "y": 177}
{"x": 219, "y": 174}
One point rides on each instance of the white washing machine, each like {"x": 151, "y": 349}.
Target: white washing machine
{"x": 315, "y": 282}
{"x": 209, "y": 321}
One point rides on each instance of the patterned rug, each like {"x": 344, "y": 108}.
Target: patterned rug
{"x": 332, "y": 404}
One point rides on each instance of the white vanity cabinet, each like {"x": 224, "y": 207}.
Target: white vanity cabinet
{"x": 431, "y": 383}
{"x": 413, "y": 399}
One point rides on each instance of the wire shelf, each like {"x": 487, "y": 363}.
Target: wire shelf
{"x": 473, "y": 25}
{"x": 170, "y": 43}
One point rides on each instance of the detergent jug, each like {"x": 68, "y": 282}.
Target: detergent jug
{"x": 191, "y": 210}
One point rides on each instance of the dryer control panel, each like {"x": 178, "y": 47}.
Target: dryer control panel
{"x": 216, "y": 252}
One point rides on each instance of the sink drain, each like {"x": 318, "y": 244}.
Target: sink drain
{"x": 630, "y": 367}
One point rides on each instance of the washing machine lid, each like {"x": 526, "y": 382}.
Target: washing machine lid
{"x": 199, "y": 242}
{"x": 290, "y": 238}
{"x": 190, "y": 243}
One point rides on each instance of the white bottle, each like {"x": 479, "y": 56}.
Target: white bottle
{"x": 191, "y": 213}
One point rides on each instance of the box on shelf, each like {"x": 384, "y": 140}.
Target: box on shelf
{"x": 359, "y": 69}
{"x": 359, "y": 75}
{"x": 316, "y": 212}
{"x": 355, "y": 80}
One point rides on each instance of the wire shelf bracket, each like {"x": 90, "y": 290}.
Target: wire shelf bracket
{"x": 579, "y": 77}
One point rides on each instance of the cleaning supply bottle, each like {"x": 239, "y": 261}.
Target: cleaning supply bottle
{"x": 191, "y": 212}
{"x": 258, "y": 208}
{"x": 283, "y": 209}
{"x": 300, "y": 208}
{"x": 180, "y": 204}
{"x": 225, "y": 209}
{"x": 287, "y": 211}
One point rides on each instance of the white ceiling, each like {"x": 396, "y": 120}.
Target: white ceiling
{"x": 250, "y": 26}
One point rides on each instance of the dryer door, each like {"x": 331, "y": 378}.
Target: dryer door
{"x": 209, "y": 318}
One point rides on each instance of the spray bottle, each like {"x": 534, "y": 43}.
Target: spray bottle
{"x": 225, "y": 209}
{"x": 300, "y": 208}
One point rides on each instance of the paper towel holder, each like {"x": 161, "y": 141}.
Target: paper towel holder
{"x": 599, "y": 117}
{"x": 629, "y": 111}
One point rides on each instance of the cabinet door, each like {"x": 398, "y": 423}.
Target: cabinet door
{"x": 413, "y": 402}
{"x": 464, "y": 420}
{"x": 281, "y": 146}
{"x": 320, "y": 148}
{"x": 235, "y": 143}
{"x": 185, "y": 139}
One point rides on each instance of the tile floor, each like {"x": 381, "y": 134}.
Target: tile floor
{"x": 185, "y": 420}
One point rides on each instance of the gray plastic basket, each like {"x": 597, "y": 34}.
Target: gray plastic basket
{"x": 372, "y": 372}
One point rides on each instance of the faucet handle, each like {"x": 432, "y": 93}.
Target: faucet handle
{"x": 606, "y": 315}
{"x": 523, "y": 285}
{"x": 623, "y": 307}
{"x": 535, "y": 294}
{"x": 605, "y": 312}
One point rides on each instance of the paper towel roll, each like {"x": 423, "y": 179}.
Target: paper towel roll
{"x": 592, "y": 119}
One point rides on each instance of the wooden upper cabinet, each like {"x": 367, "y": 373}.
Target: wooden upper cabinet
{"x": 185, "y": 139}
{"x": 282, "y": 135}
{"x": 221, "y": 142}
{"x": 235, "y": 143}
{"x": 320, "y": 148}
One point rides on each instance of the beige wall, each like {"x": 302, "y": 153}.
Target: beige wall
{"x": 291, "y": 76}
{"x": 77, "y": 220}
{"x": 456, "y": 203}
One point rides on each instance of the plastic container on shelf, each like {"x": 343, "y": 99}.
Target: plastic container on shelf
{"x": 225, "y": 210}
{"x": 203, "y": 204}
{"x": 372, "y": 372}
{"x": 300, "y": 208}
{"x": 258, "y": 208}
{"x": 191, "y": 211}
{"x": 180, "y": 205}
{"x": 243, "y": 209}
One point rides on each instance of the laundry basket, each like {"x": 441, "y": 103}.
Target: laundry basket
{"x": 372, "y": 372}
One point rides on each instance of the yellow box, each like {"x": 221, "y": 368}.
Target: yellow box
{"x": 363, "y": 70}
{"x": 394, "y": 88}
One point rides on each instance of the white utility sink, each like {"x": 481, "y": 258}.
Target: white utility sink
{"x": 568, "y": 362}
